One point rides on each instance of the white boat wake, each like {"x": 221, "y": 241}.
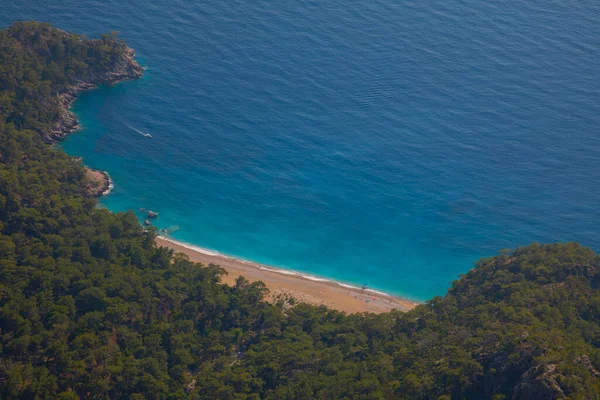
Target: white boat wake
{"x": 140, "y": 132}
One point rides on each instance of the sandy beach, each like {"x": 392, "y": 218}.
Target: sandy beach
{"x": 287, "y": 283}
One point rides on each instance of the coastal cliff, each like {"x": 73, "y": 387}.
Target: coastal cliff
{"x": 120, "y": 66}
{"x": 98, "y": 183}
{"x": 43, "y": 69}
{"x": 125, "y": 68}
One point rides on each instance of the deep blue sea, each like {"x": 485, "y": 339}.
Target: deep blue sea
{"x": 384, "y": 142}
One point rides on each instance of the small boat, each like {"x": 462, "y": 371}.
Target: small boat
{"x": 149, "y": 136}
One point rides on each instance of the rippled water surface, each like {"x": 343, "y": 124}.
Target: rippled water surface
{"x": 388, "y": 142}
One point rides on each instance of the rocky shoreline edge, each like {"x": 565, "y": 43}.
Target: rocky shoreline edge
{"x": 98, "y": 182}
{"x": 126, "y": 68}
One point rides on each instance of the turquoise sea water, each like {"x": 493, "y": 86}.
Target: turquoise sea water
{"x": 381, "y": 142}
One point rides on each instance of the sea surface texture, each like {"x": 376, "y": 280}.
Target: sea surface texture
{"x": 384, "y": 142}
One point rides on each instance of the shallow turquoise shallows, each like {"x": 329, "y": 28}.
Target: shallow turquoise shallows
{"x": 383, "y": 142}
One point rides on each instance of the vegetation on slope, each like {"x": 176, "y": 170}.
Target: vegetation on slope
{"x": 91, "y": 308}
{"x": 38, "y": 63}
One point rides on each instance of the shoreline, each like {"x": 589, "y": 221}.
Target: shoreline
{"x": 100, "y": 182}
{"x": 283, "y": 283}
{"x": 127, "y": 68}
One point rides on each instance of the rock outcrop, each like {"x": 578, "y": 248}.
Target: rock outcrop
{"x": 98, "y": 183}
{"x": 152, "y": 214}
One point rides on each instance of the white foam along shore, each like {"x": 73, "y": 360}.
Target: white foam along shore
{"x": 277, "y": 270}
{"x": 111, "y": 184}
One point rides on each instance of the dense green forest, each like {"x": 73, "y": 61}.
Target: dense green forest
{"x": 91, "y": 308}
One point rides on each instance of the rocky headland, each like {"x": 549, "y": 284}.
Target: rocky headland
{"x": 125, "y": 68}
{"x": 98, "y": 183}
